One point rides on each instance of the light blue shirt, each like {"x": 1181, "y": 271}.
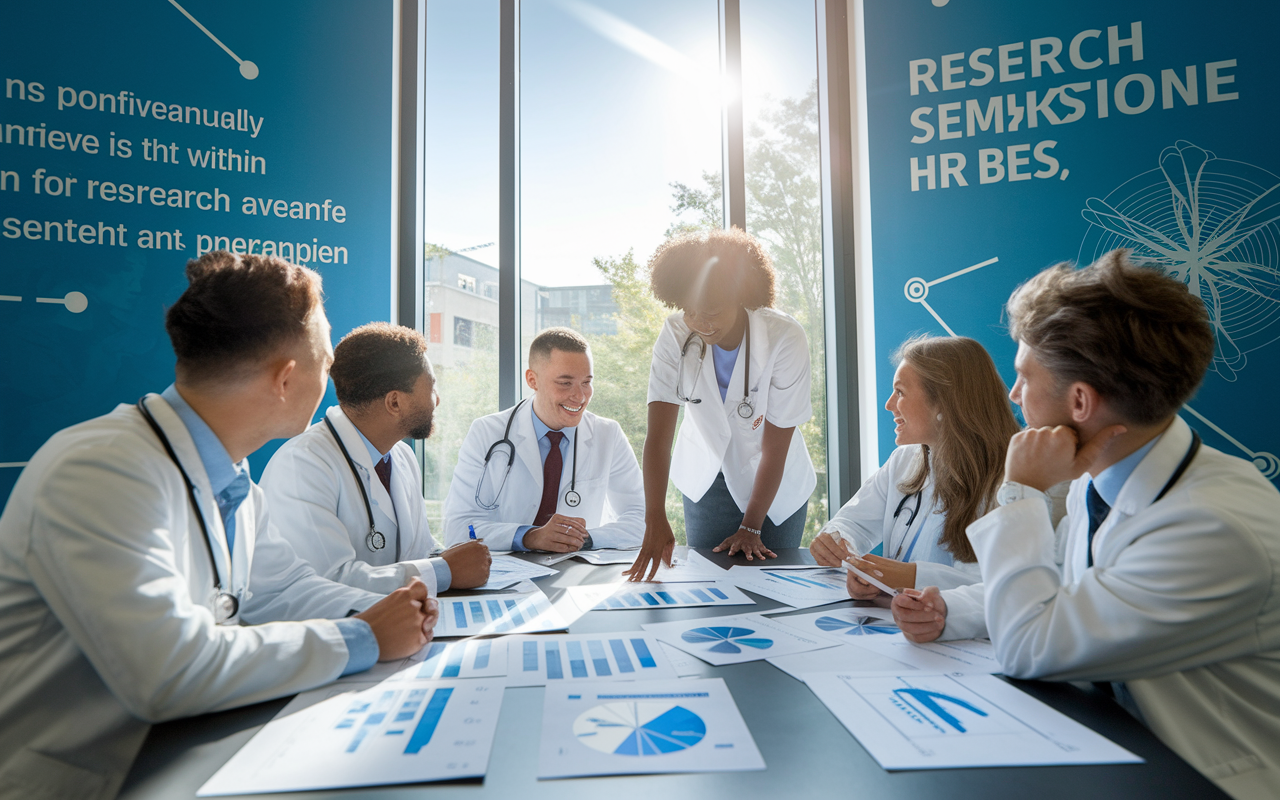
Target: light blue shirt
{"x": 1112, "y": 479}
{"x": 724, "y": 361}
{"x": 541, "y": 430}
{"x": 444, "y": 575}
{"x": 230, "y": 483}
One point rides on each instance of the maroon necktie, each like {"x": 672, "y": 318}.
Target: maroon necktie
{"x": 383, "y": 468}
{"x": 551, "y": 469}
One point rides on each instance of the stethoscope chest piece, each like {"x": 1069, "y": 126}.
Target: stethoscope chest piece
{"x": 374, "y": 540}
{"x": 572, "y": 499}
{"x": 225, "y": 607}
{"x": 745, "y": 409}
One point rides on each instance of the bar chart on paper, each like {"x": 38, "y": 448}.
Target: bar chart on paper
{"x": 382, "y": 735}
{"x": 538, "y": 660}
{"x": 796, "y": 588}
{"x": 469, "y": 658}
{"x": 480, "y": 616}
{"x": 624, "y": 596}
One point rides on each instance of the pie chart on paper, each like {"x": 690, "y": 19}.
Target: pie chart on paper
{"x": 851, "y": 628}
{"x": 724, "y": 639}
{"x": 639, "y": 729}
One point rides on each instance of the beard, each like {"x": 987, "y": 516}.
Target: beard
{"x": 422, "y": 425}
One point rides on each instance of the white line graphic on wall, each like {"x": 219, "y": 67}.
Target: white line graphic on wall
{"x": 247, "y": 68}
{"x": 1213, "y": 224}
{"x": 917, "y": 289}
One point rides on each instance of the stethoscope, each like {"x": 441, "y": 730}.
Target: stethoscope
{"x": 374, "y": 540}
{"x": 225, "y": 604}
{"x": 571, "y": 498}
{"x": 897, "y": 556}
{"x": 746, "y": 408}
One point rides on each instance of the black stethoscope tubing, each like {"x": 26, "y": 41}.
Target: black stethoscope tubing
{"x": 374, "y": 539}
{"x": 571, "y": 498}
{"x": 745, "y": 408}
{"x": 910, "y": 518}
{"x": 224, "y": 601}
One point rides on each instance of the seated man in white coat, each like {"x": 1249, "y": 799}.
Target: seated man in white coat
{"x": 140, "y": 576}
{"x": 347, "y": 493}
{"x": 1168, "y": 584}
{"x": 548, "y": 474}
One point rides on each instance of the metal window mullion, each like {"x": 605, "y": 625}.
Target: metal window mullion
{"x": 733, "y": 168}
{"x": 509, "y": 205}
{"x": 844, "y": 464}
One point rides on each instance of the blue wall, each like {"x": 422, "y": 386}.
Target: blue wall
{"x": 1108, "y": 177}
{"x": 323, "y": 100}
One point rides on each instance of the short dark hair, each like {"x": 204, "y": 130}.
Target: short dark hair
{"x": 237, "y": 311}
{"x": 375, "y": 359}
{"x": 563, "y": 339}
{"x": 1134, "y": 334}
{"x": 717, "y": 258}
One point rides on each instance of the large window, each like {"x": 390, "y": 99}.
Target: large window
{"x": 621, "y": 137}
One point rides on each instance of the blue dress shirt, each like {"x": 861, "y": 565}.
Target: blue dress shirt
{"x": 230, "y": 483}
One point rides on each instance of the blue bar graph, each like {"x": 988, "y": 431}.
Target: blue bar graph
{"x": 482, "y": 655}
{"x": 718, "y": 593}
{"x": 577, "y": 664}
{"x": 701, "y": 595}
{"x": 530, "y": 656}
{"x": 454, "y": 665}
{"x": 642, "y": 653}
{"x": 798, "y": 580}
{"x": 598, "y": 658}
{"x": 516, "y": 616}
{"x": 428, "y": 668}
{"x": 684, "y": 598}
{"x": 614, "y": 602}
{"x": 650, "y": 599}
{"x": 477, "y": 612}
{"x": 632, "y": 600}
{"x": 666, "y": 598}
{"x": 554, "y": 671}
{"x": 460, "y": 615}
{"x": 430, "y": 719}
{"x": 495, "y": 610}
{"x": 620, "y": 655}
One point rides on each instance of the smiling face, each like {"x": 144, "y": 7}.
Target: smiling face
{"x": 1037, "y": 393}
{"x": 915, "y": 421}
{"x": 562, "y": 381}
{"x": 713, "y": 314}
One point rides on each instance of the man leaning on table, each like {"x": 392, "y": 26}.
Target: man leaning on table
{"x": 548, "y": 474}
{"x": 1169, "y": 582}
{"x": 372, "y": 534}
{"x": 141, "y": 578}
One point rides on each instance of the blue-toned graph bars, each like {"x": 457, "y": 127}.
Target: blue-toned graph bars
{"x": 468, "y": 617}
{"x": 669, "y": 596}
{"x": 605, "y": 657}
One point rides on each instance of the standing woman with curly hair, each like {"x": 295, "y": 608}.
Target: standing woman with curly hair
{"x": 741, "y": 370}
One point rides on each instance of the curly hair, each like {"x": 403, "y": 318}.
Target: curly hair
{"x": 237, "y": 311}
{"x": 375, "y": 359}
{"x": 1134, "y": 334}
{"x": 684, "y": 266}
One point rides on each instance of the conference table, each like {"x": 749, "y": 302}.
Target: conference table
{"x": 806, "y": 750}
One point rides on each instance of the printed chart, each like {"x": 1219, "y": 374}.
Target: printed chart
{"x": 480, "y": 616}
{"x": 382, "y": 735}
{"x": 797, "y": 588}
{"x": 644, "y": 727}
{"x": 732, "y": 640}
{"x": 470, "y": 658}
{"x": 506, "y": 571}
{"x": 932, "y": 721}
{"x": 623, "y": 596}
{"x": 538, "y": 660}
{"x": 840, "y": 624}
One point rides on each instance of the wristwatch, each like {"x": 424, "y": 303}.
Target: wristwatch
{"x": 1012, "y": 492}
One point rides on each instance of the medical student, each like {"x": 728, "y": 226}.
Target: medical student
{"x": 547, "y": 474}
{"x": 952, "y": 427}
{"x": 347, "y": 492}
{"x": 1172, "y": 550}
{"x": 740, "y": 369}
{"x": 140, "y": 576}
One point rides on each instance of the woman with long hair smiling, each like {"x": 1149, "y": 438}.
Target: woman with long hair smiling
{"x": 953, "y": 425}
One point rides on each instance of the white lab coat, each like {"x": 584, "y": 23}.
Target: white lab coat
{"x": 713, "y": 438}
{"x": 1181, "y": 604}
{"x": 868, "y": 520}
{"x": 105, "y": 598}
{"x": 609, "y": 483}
{"x": 317, "y": 506}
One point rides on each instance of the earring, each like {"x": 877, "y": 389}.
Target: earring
{"x": 939, "y": 418}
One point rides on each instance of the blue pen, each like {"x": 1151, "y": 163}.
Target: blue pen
{"x": 472, "y": 529}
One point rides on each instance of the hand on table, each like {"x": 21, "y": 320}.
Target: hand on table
{"x": 657, "y": 549}
{"x": 560, "y": 534}
{"x": 746, "y": 542}
{"x": 921, "y": 614}
{"x": 402, "y": 622}
{"x": 828, "y": 549}
{"x": 469, "y": 564}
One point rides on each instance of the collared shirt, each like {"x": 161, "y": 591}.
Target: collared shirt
{"x": 444, "y": 575}
{"x": 230, "y": 483}
{"x": 1112, "y": 479}
{"x": 724, "y": 361}
{"x": 541, "y": 430}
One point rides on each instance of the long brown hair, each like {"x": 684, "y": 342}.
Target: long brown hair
{"x": 961, "y": 383}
